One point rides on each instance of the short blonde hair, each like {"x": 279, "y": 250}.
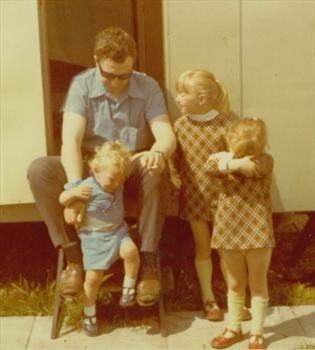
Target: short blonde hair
{"x": 111, "y": 154}
{"x": 247, "y": 137}
{"x": 204, "y": 83}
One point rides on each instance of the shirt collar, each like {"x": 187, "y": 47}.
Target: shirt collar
{"x": 98, "y": 89}
{"x": 134, "y": 89}
{"x": 205, "y": 117}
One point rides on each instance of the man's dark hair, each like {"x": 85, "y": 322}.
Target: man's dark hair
{"x": 116, "y": 44}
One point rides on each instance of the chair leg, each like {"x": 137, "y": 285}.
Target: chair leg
{"x": 58, "y": 301}
{"x": 163, "y": 330}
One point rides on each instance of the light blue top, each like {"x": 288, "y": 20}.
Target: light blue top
{"x": 104, "y": 211}
{"x": 108, "y": 120}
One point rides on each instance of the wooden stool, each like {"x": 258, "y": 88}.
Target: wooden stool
{"x": 112, "y": 283}
{"x": 58, "y": 302}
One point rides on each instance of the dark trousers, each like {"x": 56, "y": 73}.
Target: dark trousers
{"x": 149, "y": 193}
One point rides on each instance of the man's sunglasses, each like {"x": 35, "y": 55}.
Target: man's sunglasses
{"x": 111, "y": 76}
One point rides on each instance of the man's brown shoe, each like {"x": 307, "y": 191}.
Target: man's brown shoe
{"x": 149, "y": 286}
{"x": 71, "y": 281}
{"x": 222, "y": 341}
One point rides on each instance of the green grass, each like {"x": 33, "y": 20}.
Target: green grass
{"x": 291, "y": 294}
{"x": 24, "y": 298}
{"x": 28, "y": 267}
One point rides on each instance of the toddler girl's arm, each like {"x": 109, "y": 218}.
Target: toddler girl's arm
{"x": 217, "y": 163}
{"x": 251, "y": 166}
{"x": 223, "y": 163}
{"x": 264, "y": 165}
{"x": 245, "y": 166}
{"x": 80, "y": 192}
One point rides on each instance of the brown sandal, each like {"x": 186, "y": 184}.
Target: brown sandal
{"x": 221, "y": 342}
{"x": 256, "y": 342}
{"x": 246, "y": 315}
{"x": 213, "y": 312}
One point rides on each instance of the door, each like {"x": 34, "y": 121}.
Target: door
{"x": 68, "y": 29}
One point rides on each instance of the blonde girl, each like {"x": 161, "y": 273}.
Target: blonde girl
{"x": 243, "y": 231}
{"x": 200, "y": 130}
{"x": 103, "y": 232}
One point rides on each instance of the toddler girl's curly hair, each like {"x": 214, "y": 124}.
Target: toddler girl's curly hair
{"x": 247, "y": 137}
{"x": 111, "y": 154}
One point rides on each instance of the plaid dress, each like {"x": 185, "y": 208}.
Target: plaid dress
{"x": 197, "y": 140}
{"x": 243, "y": 219}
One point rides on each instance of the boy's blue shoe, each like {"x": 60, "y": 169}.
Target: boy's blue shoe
{"x": 90, "y": 325}
{"x": 128, "y": 297}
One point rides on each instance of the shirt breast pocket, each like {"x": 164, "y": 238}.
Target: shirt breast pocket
{"x": 135, "y": 139}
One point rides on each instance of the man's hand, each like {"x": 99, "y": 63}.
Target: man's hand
{"x": 74, "y": 213}
{"x": 244, "y": 165}
{"x": 153, "y": 161}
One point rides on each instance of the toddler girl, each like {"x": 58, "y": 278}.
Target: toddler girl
{"x": 243, "y": 231}
{"x": 103, "y": 232}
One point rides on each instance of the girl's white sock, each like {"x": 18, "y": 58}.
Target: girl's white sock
{"x": 259, "y": 307}
{"x": 235, "y": 311}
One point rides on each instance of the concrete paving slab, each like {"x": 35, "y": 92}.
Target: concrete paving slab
{"x": 15, "y": 332}
{"x": 146, "y": 337}
{"x": 305, "y": 315}
{"x": 40, "y": 338}
{"x": 189, "y": 330}
{"x": 284, "y": 330}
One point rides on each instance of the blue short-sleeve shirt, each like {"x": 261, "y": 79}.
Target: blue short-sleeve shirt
{"x": 109, "y": 120}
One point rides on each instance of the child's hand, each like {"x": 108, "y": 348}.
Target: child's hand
{"x": 176, "y": 180}
{"x": 219, "y": 156}
{"x": 83, "y": 192}
{"x": 74, "y": 213}
{"x": 244, "y": 165}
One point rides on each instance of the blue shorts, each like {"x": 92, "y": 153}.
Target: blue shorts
{"x": 101, "y": 249}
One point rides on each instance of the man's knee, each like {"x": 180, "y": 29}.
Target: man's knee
{"x": 154, "y": 182}
{"x": 37, "y": 168}
{"x": 44, "y": 170}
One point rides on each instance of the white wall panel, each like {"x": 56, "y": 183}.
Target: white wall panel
{"x": 22, "y": 129}
{"x": 278, "y": 85}
{"x": 263, "y": 51}
{"x": 203, "y": 34}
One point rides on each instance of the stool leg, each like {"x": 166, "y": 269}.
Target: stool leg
{"x": 58, "y": 302}
{"x": 163, "y": 330}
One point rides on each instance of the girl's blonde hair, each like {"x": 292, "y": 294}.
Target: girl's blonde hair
{"x": 247, "y": 137}
{"x": 204, "y": 83}
{"x": 111, "y": 154}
